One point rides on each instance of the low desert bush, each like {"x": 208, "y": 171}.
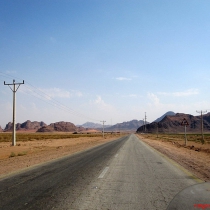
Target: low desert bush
{"x": 22, "y": 153}
{"x": 12, "y": 154}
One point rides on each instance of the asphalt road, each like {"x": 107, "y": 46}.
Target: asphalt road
{"x": 122, "y": 174}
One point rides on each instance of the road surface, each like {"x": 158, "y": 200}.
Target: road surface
{"x": 122, "y": 174}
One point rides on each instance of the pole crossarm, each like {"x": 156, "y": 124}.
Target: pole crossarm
{"x": 15, "y": 85}
{"x": 201, "y": 112}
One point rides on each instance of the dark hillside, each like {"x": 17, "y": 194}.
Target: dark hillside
{"x": 61, "y": 127}
{"x": 172, "y": 124}
{"x": 26, "y": 126}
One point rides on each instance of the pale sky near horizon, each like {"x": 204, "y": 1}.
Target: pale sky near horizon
{"x": 113, "y": 60}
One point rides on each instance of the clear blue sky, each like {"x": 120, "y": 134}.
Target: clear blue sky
{"x": 113, "y": 60}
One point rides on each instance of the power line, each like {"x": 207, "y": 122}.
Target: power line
{"x": 14, "y": 90}
{"x": 68, "y": 108}
{"x": 60, "y": 105}
{"x": 48, "y": 99}
{"x": 55, "y": 103}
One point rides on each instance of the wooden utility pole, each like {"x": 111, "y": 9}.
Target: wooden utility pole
{"x": 201, "y": 112}
{"x": 185, "y": 124}
{"x": 103, "y": 127}
{"x": 145, "y": 122}
{"x": 14, "y": 90}
{"x": 185, "y": 134}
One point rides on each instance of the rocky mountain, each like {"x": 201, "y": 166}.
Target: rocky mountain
{"x": 93, "y": 125}
{"x": 61, "y": 127}
{"x": 172, "y": 124}
{"x": 169, "y": 113}
{"x": 28, "y": 125}
{"x": 126, "y": 126}
{"x": 8, "y": 127}
{"x": 1, "y": 130}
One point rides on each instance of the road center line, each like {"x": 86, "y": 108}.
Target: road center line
{"x": 103, "y": 173}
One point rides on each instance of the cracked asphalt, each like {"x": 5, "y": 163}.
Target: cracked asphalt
{"x": 122, "y": 174}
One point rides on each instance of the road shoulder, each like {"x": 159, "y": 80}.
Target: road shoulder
{"x": 198, "y": 163}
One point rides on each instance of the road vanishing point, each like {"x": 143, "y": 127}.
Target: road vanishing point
{"x": 122, "y": 174}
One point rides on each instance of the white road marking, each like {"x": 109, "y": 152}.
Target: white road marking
{"x": 103, "y": 173}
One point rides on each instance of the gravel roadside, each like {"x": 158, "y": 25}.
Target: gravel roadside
{"x": 192, "y": 157}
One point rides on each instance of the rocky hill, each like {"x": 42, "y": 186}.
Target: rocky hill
{"x": 61, "y": 127}
{"x": 172, "y": 124}
{"x": 126, "y": 126}
{"x": 1, "y": 130}
{"x": 169, "y": 113}
{"x": 26, "y": 126}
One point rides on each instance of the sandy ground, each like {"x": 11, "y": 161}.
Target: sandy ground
{"x": 29, "y": 153}
{"x": 195, "y": 157}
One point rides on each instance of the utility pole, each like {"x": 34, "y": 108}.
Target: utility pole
{"x": 201, "y": 112}
{"x": 14, "y": 90}
{"x": 185, "y": 124}
{"x": 185, "y": 134}
{"x": 145, "y": 122}
{"x": 103, "y": 127}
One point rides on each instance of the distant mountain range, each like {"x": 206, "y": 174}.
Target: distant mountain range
{"x": 70, "y": 127}
{"x": 126, "y": 126}
{"x": 93, "y": 125}
{"x": 167, "y": 123}
{"x": 173, "y": 124}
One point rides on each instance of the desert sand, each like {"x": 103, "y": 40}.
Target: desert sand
{"x": 29, "y": 153}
